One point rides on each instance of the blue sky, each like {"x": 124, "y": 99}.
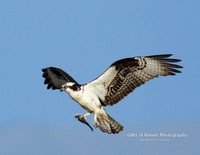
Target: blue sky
{"x": 84, "y": 38}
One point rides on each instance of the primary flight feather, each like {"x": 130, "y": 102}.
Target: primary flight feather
{"x": 120, "y": 79}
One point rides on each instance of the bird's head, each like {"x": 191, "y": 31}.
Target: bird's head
{"x": 67, "y": 85}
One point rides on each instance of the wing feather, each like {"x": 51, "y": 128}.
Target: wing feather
{"x": 124, "y": 75}
{"x": 55, "y": 78}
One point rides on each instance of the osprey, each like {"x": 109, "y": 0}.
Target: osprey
{"x": 120, "y": 79}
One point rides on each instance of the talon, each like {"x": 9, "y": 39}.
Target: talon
{"x": 84, "y": 117}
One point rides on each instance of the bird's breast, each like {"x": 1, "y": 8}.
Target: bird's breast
{"x": 86, "y": 98}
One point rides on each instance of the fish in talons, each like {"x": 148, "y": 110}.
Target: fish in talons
{"x": 81, "y": 118}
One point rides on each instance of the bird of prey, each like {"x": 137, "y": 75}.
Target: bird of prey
{"x": 120, "y": 79}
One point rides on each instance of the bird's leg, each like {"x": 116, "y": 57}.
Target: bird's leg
{"x": 95, "y": 123}
{"x": 87, "y": 114}
{"x": 82, "y": 118}
{"x": 81, "y": 115}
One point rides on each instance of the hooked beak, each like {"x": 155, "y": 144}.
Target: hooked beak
{"x": 63, "y": 88}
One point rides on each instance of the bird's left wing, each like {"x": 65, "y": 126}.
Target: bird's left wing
{"x": 123, "y": 76}
{"x": 55, "y": 78}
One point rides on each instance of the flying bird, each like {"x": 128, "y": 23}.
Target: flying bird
{"x": 120, "y": 79}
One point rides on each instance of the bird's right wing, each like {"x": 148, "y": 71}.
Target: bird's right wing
{"x": 55, "y": 78}
{"x": 124, "y": 75}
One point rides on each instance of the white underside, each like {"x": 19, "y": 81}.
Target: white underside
{"x": 88, "y": 96}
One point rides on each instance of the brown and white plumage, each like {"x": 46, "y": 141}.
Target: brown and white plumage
{"x": 120, "y": 79}
{"x": 123, "y": 76}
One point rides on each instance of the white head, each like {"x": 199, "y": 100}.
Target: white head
{"x": 68, "y": 84}
{"x": 71, "y": 88}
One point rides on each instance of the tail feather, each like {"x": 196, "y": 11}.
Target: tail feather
{"x": 106, "y": 123}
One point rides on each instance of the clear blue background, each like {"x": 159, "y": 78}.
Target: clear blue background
{"x": 83, "y": 38}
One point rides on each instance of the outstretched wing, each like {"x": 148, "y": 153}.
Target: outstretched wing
{"x": 55, "y": 78}
{"x": 123, "y": 76}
